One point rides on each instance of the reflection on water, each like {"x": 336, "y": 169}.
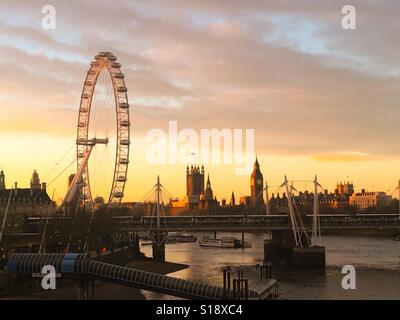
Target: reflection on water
{"x": 377, "y": 262}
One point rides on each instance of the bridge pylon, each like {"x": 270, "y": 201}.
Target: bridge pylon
{"x": 158, "y": 235}
{"x": 297, "y": 247}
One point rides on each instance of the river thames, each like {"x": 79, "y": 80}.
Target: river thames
{"x": 376, "y": 259}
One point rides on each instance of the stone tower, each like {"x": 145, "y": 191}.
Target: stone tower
{"x": 256, "y": 186}
{"x": 232, "y": 203}
{"x": 35, "y": 181}
{"x": 208, "y": 193}
{"x": 194, "y": 181}
{"x": 2, "y": 180}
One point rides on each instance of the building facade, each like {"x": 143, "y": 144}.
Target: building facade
{"x": 245, "y": 201}
{"x": 363, "y": 200}
{"x": 33, "y": 201}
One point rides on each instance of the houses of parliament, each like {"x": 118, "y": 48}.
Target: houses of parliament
{"x": 200, "y": 197}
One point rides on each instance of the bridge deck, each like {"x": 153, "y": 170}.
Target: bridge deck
{"x": 246, "y": 223}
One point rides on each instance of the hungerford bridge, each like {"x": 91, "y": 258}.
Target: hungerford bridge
{"x": 240, "y": 222}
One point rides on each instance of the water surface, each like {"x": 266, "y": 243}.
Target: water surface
{"x": 376, "y": 259}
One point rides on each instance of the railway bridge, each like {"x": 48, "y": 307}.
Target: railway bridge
{"x": 280, "y": 226}
{"x": 238, "y": 223}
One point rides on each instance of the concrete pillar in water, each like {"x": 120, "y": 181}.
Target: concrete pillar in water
{"x": 135, "y": 250}
{"x": 282, "y": 249}
{"x": 159, "y": 246}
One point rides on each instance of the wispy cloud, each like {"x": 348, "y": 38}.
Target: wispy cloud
{"x": 344, "y": 156}
{"x": 284, "y": 68}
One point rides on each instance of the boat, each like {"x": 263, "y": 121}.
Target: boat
{"x": 179, "y": 237}
{"x": 173, "y": 237}
{"x": 225, "y": 242}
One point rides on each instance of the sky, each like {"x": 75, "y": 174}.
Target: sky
{"x": 321, "y": 100}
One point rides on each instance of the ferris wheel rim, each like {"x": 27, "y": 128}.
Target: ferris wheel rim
{"x": 105, "y": 61}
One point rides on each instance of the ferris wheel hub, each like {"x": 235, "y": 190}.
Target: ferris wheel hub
{"x": 92, "y": 142}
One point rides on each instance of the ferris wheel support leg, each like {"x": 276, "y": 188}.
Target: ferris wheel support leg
{"x": 75, "y": 182}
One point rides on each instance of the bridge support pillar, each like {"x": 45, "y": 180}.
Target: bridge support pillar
{"x": 92, "y": 289}
{"x": 282, "y": 249}
{"x": 240, "y": 285}
{"x": 159, "y": 238}
{"x": 83, "y": 288}
{"x": 135, "y": 251}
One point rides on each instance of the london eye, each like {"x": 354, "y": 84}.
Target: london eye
{"x": 103, "y": 121}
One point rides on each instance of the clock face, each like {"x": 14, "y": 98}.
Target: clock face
{"x": 259, "y": 182}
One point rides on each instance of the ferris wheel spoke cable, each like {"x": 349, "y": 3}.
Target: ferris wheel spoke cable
{"x": 55, "y": 178}
{"x": 59, "y": 161}
{"x": 103, "y": 118}
{"x": 106, "y": 100}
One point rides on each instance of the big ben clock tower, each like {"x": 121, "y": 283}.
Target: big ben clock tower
{"x": 256, "y": 187}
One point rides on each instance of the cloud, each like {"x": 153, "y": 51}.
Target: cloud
{"x": 343, "y": 156}
{"x": 284, "y": 68}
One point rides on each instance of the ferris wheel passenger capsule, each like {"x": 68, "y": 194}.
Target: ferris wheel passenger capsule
{"x": 118, "y": 194}
{"x": 124, "y": 105}
{"x": 125, "y": 142}
{"x": 123, "y": 161}
{"x": 122, "y": 89}
{"x": 116, "y": 65}
{"x": 119, "y": 75}
{"x": 104, "y": 53}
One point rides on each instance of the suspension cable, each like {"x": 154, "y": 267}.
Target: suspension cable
{"x": 59, "y": 161}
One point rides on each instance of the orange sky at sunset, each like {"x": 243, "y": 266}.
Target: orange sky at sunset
{"x": 321, "y": 100}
